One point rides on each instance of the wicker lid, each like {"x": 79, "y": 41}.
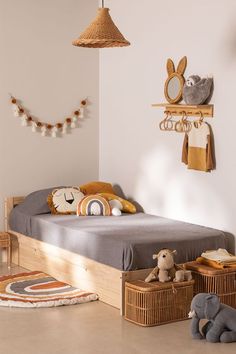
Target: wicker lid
{"x": 101, "y": 33}
{"x": 207, "y": 270}
{"x": 141, "y": 285}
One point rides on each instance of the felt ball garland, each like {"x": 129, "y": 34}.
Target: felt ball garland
{"x": 47, "y": 129}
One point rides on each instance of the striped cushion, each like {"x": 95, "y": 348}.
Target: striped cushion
{"x": 94, "y": 205}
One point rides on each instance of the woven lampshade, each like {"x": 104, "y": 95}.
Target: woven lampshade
{"x": 101, "y": 33}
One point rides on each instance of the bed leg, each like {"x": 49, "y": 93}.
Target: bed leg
{"x": 122, "y": 293}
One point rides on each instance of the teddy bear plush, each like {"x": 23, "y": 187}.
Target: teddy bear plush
{"x": 166, "y": 269}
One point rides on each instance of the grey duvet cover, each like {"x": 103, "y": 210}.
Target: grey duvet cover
{"x": 125, "y": 243}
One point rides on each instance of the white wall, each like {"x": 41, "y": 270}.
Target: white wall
{"x": 133, "y": 151}
{"x": 39, "y": 65}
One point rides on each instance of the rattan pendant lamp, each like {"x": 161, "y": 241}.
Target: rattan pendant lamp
{"x": 101, "y": 33}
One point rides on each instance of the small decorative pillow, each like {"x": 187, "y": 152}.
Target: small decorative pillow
{"x": 94, "y": 205}
{"x": 127, "y": 207}
{"x": 96, "y": 187}
{"x": 64, "y": 200}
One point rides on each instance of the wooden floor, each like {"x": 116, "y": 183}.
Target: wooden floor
{"x": 92, "y": 328}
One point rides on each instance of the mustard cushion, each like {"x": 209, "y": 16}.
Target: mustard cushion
{"x": 97, "y": 187}
{"x": 64, "y": 200}
{"x": 127, "y": 207}
{"x": 93, "y": 205}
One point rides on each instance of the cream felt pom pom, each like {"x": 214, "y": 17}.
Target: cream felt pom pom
{"x": 54, "y": 132}
{"x": 81, "y": 112}
{"x": 34, "y": 127}
{"x": 64, "y": 128}
{"x": 43, "y": 130}
{"x": 16, "y": 110}
{"x": 24, "y": 120}
{"x": 74, "y": 121}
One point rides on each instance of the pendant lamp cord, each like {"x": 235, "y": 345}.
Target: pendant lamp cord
{"x": 102, "y": 3}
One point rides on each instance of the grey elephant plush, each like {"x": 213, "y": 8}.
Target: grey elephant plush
{"x": 221, "y": 326}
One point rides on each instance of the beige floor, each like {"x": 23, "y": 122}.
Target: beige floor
{"x": 92, "y": 328}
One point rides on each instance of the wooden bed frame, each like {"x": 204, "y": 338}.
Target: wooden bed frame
{"x": 69, "y": 267}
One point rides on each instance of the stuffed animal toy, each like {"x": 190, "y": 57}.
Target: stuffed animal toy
{"x": 68, "y": 200}
{"x": 64, "y": 200}
{"x": 196, "y": 90}
{"x": 126, "y": 206}
{"x": 106, "y": 190}
{"x": 96, "y": 187}
{"x": 166, "y": 269}
{"x": 221, "y": 326}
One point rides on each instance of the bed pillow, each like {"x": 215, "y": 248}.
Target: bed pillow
{"x": 97, "y": 187}
{"x": 35, "y": 203}
{"x": 94, "y": 205}
{"x": 64, "y": 200}
{"x": 127, "y": 207}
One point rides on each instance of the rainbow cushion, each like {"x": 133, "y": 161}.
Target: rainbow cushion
{"x": 93, "y": 205}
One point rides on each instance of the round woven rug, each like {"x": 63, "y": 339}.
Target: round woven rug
{"x": 37, "y": 289}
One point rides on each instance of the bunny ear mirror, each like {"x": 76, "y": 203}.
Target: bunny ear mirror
{"x": 175, "y": 81}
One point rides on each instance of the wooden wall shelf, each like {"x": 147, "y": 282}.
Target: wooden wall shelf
{"x": 190, "y": 110}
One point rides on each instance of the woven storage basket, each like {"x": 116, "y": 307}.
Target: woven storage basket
{"x": 152, "y": 304}
{"x": 5, "y": 239}
{"x": 219, "y": 281}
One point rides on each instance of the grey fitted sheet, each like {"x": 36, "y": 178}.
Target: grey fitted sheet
{"x": 126, "y": 243}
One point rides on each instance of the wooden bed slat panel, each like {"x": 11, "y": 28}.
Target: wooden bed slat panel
{"x": 68, "y": 267}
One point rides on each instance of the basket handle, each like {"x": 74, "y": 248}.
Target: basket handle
{"x": 174, "y": 289}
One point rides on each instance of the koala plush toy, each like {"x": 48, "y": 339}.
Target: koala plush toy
{"x": 196, "y": 90}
